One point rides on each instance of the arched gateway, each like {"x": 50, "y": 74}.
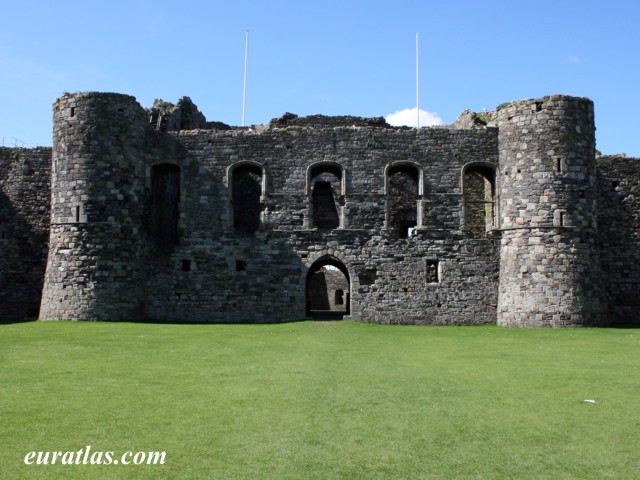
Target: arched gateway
{"x": 328, "y": 288}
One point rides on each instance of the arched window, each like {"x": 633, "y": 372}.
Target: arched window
{"x": 478, "y": 191}
{"x": 247, "y": 187}
{"x": 326, "y": 190}
{"x": 403, "y": 191}
{"x": 165, "y": 201}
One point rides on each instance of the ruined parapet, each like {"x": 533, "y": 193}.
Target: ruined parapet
{"x": 184, "y": 115}
{"x": 549, "y": 267}
{"x": 324, "y": 121}
{"x": 469, "y": 120}
{"x": 97, "y": 201}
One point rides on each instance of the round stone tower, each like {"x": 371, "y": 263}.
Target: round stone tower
{"x": 549, "y": 266}
{"x": 97, "y": 202}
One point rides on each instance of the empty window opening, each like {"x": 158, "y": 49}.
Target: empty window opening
{"x": 325, "y": 211}
{"x": 165, "y": 201}
{"x": 368, "y": 276}
{"x": 241, "y": 265}
{"x": 433, "y": 273}
{"x": 328, "y": 290}
{"x": 77, "y": 213}
{"x": 326, "y": 196}
{"x": 538, "y": 106}
{"x": 478, "y": 187}
{"x": 72, "y": 112}
{"x": 246, "y": 195}
{"x": 402, "y": 198}
{"x": 186, "y": 265}
{"x": 558, "y": 165}
{"x": 154, "y": 120}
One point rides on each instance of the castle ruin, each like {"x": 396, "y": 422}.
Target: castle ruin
{"x": 156, "y": 214}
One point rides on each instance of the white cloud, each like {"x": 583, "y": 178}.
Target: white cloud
{"x": 408, "y": 117}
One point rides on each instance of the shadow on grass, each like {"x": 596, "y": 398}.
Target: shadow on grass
{"x": 151, "y": 321}
{"x": 324, "y": 316}
{"x": 11, "y": 322}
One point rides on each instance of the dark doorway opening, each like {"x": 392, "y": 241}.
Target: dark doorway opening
{"x": 246, "y": 198}
{"x": 165, "y": 202}
{"x": 328, "y": 290}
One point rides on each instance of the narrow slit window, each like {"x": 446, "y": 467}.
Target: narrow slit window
{"x": 559, "y": 218}
{"x": 433, "y": 271}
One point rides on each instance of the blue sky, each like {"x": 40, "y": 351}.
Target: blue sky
{"x": 349, "y": 57}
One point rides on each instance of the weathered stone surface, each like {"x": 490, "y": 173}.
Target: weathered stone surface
{"x": 24, "y": 229}
{"x": 618, "y": 180}
{"x": 550, "y": 268}
{"x": 188, "y": 221}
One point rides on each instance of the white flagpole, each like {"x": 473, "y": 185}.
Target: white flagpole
{"x": 417, "y": 85}
{"x": 244, "y": 89}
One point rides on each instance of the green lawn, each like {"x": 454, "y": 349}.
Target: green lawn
{"x": 323, "y": 400}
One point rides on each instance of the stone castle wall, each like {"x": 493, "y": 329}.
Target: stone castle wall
{"x": 262, "y": 276}
{"x": 619, "y": 239}
{"x": 210, "y": 223}
{"x": 24, "y": 229}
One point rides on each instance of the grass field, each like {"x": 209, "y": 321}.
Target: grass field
{"x": 322, "y": 400}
